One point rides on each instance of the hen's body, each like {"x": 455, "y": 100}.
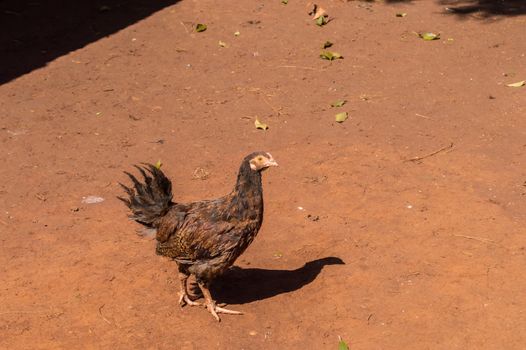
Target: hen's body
{"x": 205, "y": 237}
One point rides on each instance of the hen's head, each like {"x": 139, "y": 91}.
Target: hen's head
{"x": 259, "y": 161}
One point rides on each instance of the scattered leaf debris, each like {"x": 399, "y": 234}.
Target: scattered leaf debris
{"x": 312, "y": 8}
{"x": 517, "y": 84}
{"x": 200, "y": 173}
{"x": 313, "y": 218}
{"x": 342, "y": 345}
{"x": 260, "y": 125}
{"x": 338, "y": 103}
{"x": 341, "y": 117}
{"x": 327, "y": 44}
{"x": 319, "y": 12}
{"x": 200, "y": 27}
{"x": 330, "y": 55}
{"x": 428, "y": 36}
{"x": 321, "y": 21}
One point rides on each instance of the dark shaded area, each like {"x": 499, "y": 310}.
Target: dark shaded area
{"x": 482, "y": 8}
{"x": 240, "y": 286}
{"x": 485, "y": 8}
{"x": 34, "y": 32}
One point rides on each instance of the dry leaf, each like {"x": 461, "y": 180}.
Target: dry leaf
{"x": 341, "y": 117}
{"x": 338, "y": 103}
{"x": 429, "y": 36}
{"x": 260, "y": 125}
{"x": 330, "y": 55}
{"x": 312, "y": 8}
{"x": 320, "y": 12}
{"x": 321, "y": 21}
{"x": 342, "y": 345}
{"x": 200, "y": 27}
{"x": 327, "y": 44}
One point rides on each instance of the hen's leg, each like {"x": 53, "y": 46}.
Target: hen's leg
{"x": 184, "y": 299}
{"x": 210, "y": 304}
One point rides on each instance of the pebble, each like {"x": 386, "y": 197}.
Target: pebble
{"x": 92, "y": 199}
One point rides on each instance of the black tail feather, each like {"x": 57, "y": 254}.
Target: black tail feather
{"x": 150, "y": 199}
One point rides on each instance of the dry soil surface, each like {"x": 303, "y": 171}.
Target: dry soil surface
{"x": 361, "y": 238}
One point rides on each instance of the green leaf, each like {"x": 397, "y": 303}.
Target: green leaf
{"x": 200, "y": 27}
{"x": 330, "y": 55}
{"x": 517, "y": 84}
{"x": 159, "y": 164}
{"x": 429, "y": 36}
{"x": 260, "y": 125}
{"x": 327, "y": 44}
{"x": 342, "y": 345}
{"x": 341, "y": 117}
{"x": 284, "y": 2}
{"x": 401, "y": 14}
{"x": 222, "y": 43}
{"x": 338, "y": 103}
{"x": 321, "y": 21}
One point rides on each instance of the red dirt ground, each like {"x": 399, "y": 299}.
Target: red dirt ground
{"x": 434, "y": 250}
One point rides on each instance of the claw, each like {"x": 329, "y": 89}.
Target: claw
{"x": 215, "y": 310}
{"x": 185, "y": 300}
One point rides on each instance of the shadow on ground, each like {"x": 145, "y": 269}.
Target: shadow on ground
{"x": 242, "y": 285}
{"x": 33, "y": 33}
{"x": 484, "y": 8}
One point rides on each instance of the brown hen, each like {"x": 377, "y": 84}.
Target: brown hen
{"x": 204, "y": 238}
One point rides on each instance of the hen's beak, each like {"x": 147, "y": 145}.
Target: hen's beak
{"x": 271, "y": 162}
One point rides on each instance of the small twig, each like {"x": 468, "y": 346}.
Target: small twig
{"x": 422, "y": 116}
{"x": 416, "y": 159}
{"x": 101, "y": 315}
{"x": 111, "y": 58}
{"x": 480, "y": 239}
{"x": 186, "y": 30}
{"x": 3, "y": 222}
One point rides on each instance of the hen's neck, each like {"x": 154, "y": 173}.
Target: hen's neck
{"x": 248, "y": 192}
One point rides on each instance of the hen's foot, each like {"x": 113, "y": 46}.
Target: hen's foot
{"x": 184, "y": 299}
{"x": 210, "y": 304}
{"x": 214, "y": 310}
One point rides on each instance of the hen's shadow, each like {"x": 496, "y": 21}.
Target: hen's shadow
{"x": 244, "y": 285}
